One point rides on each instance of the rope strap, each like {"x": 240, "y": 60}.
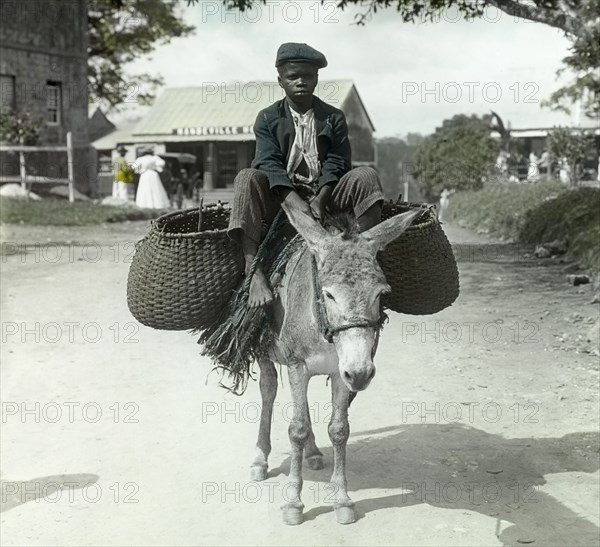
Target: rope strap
{"x": 325, "y": 327}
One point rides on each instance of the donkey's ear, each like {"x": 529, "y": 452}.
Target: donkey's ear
{"x": 384, "y": 233}
{"x": 313, "y": 233}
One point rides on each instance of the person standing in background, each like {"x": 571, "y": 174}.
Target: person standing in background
{"x": 502, "y": 164}
{"x": 545, "y": 164}
{"x": 151, "y": 192}
{"x": 123, "y": 183}
{"x": 533, "y": 173}
{"x": 564, "y": 171}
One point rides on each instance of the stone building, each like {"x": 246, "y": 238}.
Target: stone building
{"x": 43, "y": 73}
{"x": 214, "y": 123}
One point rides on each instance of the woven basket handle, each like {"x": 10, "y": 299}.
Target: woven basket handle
{"x": 200, "y": 215}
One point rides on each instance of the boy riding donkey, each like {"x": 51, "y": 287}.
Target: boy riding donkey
{"x": 302, "y": 149}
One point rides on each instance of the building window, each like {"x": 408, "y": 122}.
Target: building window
{"x": 7, "y": 91}
{"x": 53, "y": 103}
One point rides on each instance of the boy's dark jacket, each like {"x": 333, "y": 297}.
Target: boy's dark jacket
{"x": 274, "y": 130}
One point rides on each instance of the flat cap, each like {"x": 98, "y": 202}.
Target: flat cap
{"x": 292, "y": 51}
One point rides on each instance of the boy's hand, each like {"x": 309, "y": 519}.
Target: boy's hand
{"x": 294, "y": 201}
{"x": 319, "y": 202}
{"x": 317, "y": 207}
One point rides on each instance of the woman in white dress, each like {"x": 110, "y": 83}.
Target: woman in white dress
{"x": 151, "y": 192}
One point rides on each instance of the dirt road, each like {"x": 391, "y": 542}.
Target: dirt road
{"x": 479, "y": 429}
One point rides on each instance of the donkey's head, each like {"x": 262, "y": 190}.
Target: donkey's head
{"x": 351, "y": 283}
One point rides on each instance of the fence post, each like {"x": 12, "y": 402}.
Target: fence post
{"x": 70, "y": 166}
{"x": 23, "y": 172}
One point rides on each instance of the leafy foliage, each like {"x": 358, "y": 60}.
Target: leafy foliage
{"x": 457, "y": 155}
{"x": 18, "y": 128}
{"x": 573, "y": 216}
{"x": 535, "y": 213}
{"x": 120, "y": 31}
{"x": 571, "y": 145}
{"x": 500, "y": 209}
{"x": 583, "y": 61}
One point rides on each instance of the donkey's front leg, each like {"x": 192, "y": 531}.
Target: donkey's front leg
{"x": 268, "y": 391}
{"x": 339, "y": 431}
{"x": 299, "y": 432}
{"x": 312, "y": 454}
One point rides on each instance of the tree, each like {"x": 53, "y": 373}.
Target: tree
{"x": 577, "y": 18}
{"x": 458, "y": 155}
{"x": 583, "y": 61}
{"x": 120, "y": 31}
{"x": 571, "y": 148}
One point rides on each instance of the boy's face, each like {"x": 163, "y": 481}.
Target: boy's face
{"x": 298, "y": 80}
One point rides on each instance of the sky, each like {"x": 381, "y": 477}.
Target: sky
{"x": 410, "y": 76}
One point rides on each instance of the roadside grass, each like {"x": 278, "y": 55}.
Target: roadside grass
{"x": 499, "y": 210}
{"x": 574, "y": 216}
{"x": 58, "y": 212}
{"x": 535, "y": 213}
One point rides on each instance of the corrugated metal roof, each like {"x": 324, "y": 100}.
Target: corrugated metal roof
{"x": 544, "y": 131}
{"x": 234, "y": 104}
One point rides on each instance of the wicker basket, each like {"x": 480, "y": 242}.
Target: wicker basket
{"x": 181, "y": 275}
{"x": 419, "y": 266}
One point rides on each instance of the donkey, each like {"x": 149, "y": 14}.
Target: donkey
{"x": 339, "y": 273}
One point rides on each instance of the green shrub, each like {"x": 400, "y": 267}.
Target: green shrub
{"x": 499, "y": 210}
{"x": 536, "y": 213}
{"x": 19, "y": 128}
{"x": 574, "y": 216}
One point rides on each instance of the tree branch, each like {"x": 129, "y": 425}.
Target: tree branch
{"x": 557, "y": 18}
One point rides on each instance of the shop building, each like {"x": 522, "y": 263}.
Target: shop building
{"x": 215, "y": 124}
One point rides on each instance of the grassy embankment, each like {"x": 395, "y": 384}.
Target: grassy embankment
{"x": 59, "y": 212}
{"x": 536, "y": 213}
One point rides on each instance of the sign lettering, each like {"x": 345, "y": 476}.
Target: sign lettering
{"x": 214, "y": 130}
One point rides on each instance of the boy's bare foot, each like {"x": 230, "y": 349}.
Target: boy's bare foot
{"x": 260, "y": 291}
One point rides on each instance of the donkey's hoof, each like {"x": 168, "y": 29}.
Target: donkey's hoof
{"x": 345, "y": 514}
{"x": 315, "y": 462}
{"x": 258, "y": 473}
{"x": 292, "y": 514}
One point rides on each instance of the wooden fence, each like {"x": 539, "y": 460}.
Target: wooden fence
{"x": 24, "y": 178}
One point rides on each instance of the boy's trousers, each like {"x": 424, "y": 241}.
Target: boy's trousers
{"x": 254, "y": 201}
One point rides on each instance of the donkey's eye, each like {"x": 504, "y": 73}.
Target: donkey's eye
{"x": 328, "y": 295}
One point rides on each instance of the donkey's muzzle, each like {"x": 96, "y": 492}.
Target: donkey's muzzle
{"x": 357, "y": 380}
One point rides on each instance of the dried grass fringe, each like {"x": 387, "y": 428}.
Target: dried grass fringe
{"x": 242, "y": 334}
